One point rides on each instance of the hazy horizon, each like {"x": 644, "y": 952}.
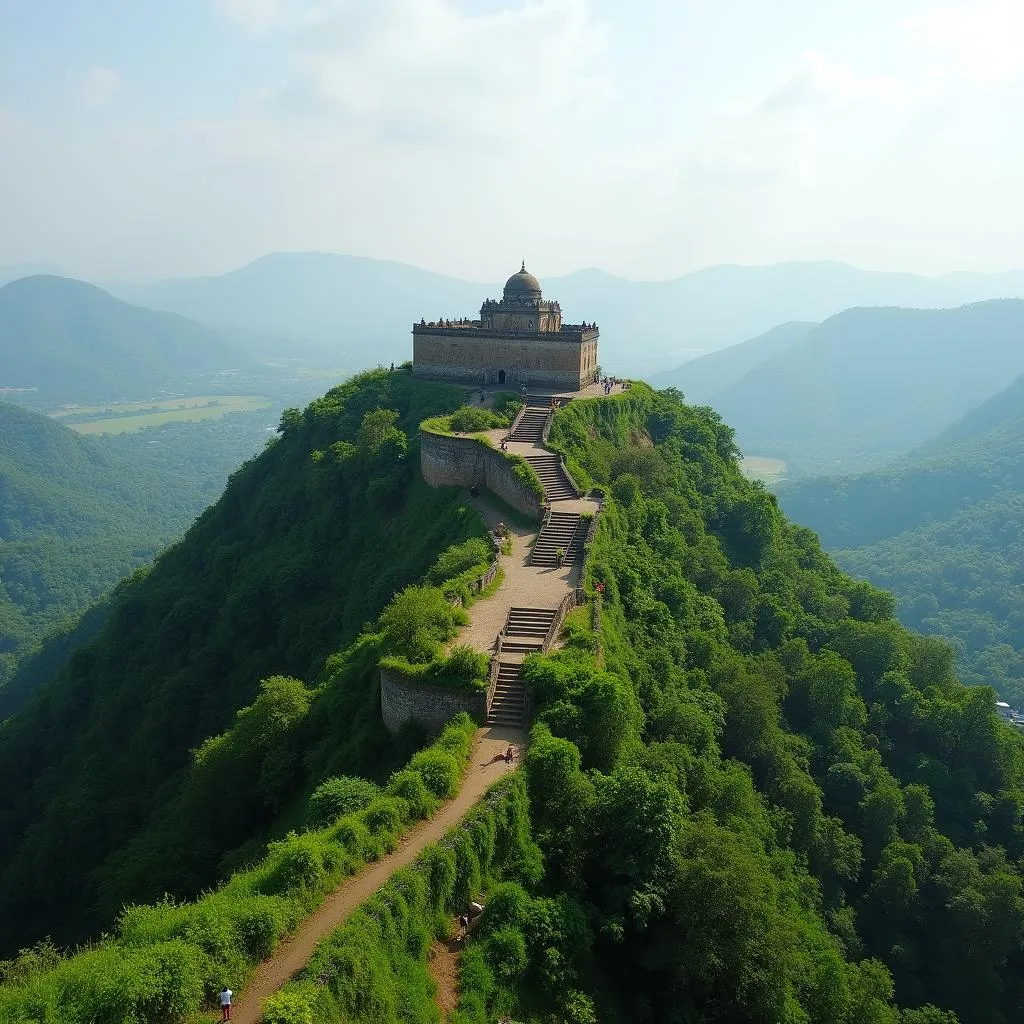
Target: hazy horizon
{"x": 141, "y": 142}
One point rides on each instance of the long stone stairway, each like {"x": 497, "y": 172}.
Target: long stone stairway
{"x": 508, "y": 705}
{"x": 556, "y": 484}
{"x": 561, "y": 530}
{"x": 530, "y": 429}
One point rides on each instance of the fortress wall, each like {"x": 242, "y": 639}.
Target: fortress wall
{"x": 462, "y": 462}
{"x": 402, "y": 701}
{"x": 462, "y": 356}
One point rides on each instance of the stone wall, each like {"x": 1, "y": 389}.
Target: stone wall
{"x": 476, "y": 357}
{"x": 463, "y": 461}
{"x": 404, "y": 701}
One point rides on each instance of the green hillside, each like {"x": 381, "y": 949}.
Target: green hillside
{"x": 869, "y": 385}
{"x": 941, "y": 529}
{"x": 703, "y": 378}
{"x": 753, "y": 795}
{"x": 287, "y": 567}
{"x": 77, "y": 514}
{"x": 73, "y": 342}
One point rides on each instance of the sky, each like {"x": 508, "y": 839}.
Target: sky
{"x": 647, "y": 138}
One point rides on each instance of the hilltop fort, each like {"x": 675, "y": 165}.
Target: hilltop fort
{"x": 519, "y": 339}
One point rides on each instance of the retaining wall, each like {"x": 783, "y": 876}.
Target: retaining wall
{"x": 463, "y": 461}
{"x": 404, "y": 701}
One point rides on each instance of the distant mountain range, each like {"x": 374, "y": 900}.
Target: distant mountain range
{"x": 74, "y": 342}
{"x": 361, "y": 310}
{"x": 867, "y": 385}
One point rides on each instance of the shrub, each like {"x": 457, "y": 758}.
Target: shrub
{"x": 339, "y": 796}
{"x": 409, "y": 785}
{"x": 417, "y": 621}
{"x": 457, "y": 559}
{"x": 292, "y": 1005}
{"x": 472, "y": 418}
{"x": 440, "y": 772}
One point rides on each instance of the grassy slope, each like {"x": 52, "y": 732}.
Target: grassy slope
{"x": 297, "y": 555}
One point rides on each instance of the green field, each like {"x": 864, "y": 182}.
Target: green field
{"x": 761, "y": 467}
{"x": 121, "y": 417}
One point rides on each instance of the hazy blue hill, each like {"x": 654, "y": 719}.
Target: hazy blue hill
{"x": 362, "y": 309}
{"x": 703, "y": 378}
{"x": 74, "y": 342}
{"x": 359, "y": 310}
{"x": 942, "y": 529}
{"x": 869, "y": 385}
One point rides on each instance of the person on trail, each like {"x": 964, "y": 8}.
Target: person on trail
{"x": 510, "y": 754}
{"x": 463, "y": 927}
{"x": 225, "y": 1003}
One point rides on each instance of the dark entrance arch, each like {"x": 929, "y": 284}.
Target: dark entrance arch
{"x": 501, "y": 376}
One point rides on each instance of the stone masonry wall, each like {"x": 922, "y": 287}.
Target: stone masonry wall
{"x": 462, "y": 462}
{"x": 403, "y": 701}
{"x": 462, "y": 356}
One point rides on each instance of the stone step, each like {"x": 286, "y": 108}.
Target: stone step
{"x": 508, "y": 703}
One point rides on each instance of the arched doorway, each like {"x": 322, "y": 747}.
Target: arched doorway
{"x": 501, "y": 376}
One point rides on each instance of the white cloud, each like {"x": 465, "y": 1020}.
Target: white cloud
{"x": 426, "y": 71}
{"x": 983, "y": 40}
{"x": 787, "y": 130}
{"x": 254, "y": 15}
{"x": 100, "y": 85}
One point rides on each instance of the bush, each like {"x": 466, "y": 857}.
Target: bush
{"x": 417, "y": 621}
{"x": 440, "y": 772}
{"x": 472, "y": 418}
{"x": 292, "y": 1005}
{"x": 409, "y": 785}
{"x": 459, "y": 558}
{"x": 339, "y": 796}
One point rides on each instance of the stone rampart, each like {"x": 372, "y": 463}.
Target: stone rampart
{"x": 447, "y": 461}
{"x": 402, "y": 701}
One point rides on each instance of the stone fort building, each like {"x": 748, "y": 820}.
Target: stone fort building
{"x": 518, "y": 340}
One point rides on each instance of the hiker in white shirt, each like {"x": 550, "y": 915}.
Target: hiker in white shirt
{"x": 225, "y": 1003}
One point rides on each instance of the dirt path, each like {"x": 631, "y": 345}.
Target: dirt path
{"x": 443, "y": 961}
{"x": 293, "y": 954}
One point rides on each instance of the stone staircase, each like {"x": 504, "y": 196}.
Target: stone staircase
{"x": 556, "y": 484}
{"x": 531, "y": 427}
{"x": 525, "y": 629}
{"x": 508, "y": 704}
{"x": 560, "y": 530}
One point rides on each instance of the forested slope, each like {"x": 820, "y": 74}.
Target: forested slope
{"x": 77, "y": 514}
{"x": 942, "y": 530}
{"x": 756, "y": 795}
{"x": 308, "y": 542}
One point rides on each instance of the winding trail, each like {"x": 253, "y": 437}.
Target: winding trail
{"x": 523, "y": 583}
{"x": 293, "y": 954}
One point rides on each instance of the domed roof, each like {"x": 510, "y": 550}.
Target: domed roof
{"x": 522, "y": 284}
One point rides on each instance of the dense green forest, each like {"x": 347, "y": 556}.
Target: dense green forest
{"x": 870, "y": 385}
{"x": 286, "y": 568}
{"x": 941, "y": 529}
{"x": 753, "y": 794}
{"x": 77, "y": 514}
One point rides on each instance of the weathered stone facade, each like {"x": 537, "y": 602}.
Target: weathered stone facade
{"x": 403, "y": 701}
{"x": 519, "y": 340}
{"x": 464, "y": 461}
